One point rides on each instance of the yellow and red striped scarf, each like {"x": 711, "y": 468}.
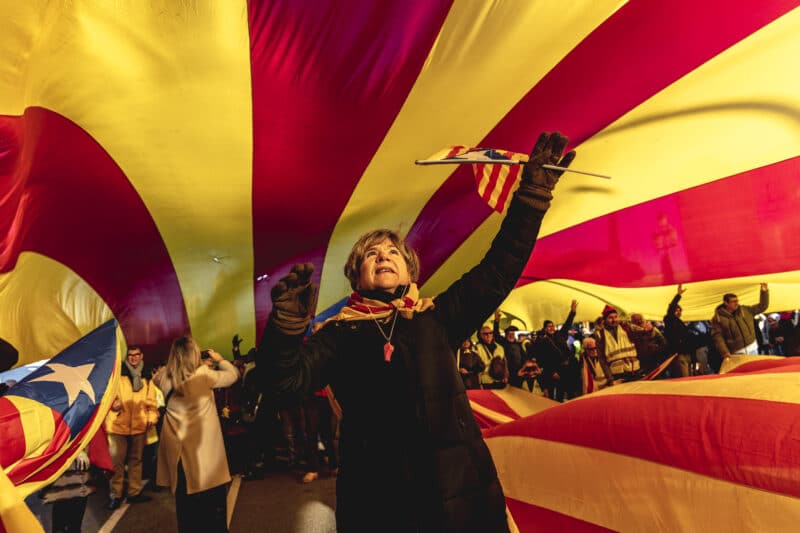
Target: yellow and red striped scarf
{"x": 360, "y": 308}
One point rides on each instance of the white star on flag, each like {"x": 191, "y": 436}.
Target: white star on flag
{"x": 74, "y": 378}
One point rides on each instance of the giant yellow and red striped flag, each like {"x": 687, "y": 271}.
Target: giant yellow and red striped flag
{"x": 52, "y": 414}
{"x": 708, "y": 453}
{"x": 229, "y": 140}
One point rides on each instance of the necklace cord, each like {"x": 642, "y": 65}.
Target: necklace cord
{"x": 394, "y": 320}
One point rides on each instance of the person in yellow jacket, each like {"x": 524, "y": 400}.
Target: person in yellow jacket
{"x": 492, "y": 377}
{"x": 133, "y": 412}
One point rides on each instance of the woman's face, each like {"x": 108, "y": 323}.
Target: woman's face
{"x": 383, "y": 268}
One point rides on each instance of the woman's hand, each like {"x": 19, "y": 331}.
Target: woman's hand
{"x": 293, "y": 298}
{"x": 537, "y": 183}
{"x": 215, "y": 355}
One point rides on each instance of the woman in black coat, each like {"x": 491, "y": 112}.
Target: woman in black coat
{"x": 412, "y": 456}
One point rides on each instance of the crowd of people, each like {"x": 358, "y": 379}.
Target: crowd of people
{"x": 220, "y": 422}
{"x": 614, "y": 350}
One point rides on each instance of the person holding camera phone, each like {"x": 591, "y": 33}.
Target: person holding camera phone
{"x": 529, "y": 377}
{"x": 191, "y": 458}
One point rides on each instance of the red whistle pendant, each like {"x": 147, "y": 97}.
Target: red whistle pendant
{"x": 387, "y": 352}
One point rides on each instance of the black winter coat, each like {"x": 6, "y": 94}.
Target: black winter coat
{"x": 552, "y": 352}
{"x": 412, "y": 455}
{"x": 676, "y": 331}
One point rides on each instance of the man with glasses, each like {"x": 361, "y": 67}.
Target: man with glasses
{"x": 733, "y": 326}
{"x": 133, "y": 412}
{"x": 597, "y": 366}
{"x": 492, "y": 377}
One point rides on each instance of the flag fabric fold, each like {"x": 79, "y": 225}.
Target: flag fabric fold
{"x": 726, "y": 438}
{"x": 53, "y": 413}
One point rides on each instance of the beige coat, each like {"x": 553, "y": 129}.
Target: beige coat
{"x": 191, "y": 431}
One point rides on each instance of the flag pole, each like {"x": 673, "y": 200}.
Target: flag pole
{"x": 453, "y": 161}
{"x": 567, "y": 169}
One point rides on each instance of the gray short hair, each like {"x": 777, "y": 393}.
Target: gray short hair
{"x": 352, "y": 267}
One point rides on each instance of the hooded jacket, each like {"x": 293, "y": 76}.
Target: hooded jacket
{"x": 733, "y": 331}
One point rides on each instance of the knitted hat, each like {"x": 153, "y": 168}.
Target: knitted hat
{"x": 607, "y": 310}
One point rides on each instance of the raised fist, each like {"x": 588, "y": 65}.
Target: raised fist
{"x": 537, "y": 183}
{"x": 293, "y": 298}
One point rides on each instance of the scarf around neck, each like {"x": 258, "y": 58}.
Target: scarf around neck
{"x": 379, "y": 305}
{"x": 136, "y": 375}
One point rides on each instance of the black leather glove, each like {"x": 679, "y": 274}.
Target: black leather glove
{"x": 236, "y": 341}
{"x": 293, "y": 298}
{"x": 537, "y": 183}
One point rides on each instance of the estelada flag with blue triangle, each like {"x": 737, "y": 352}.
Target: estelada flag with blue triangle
{"x": 48, "y": 417}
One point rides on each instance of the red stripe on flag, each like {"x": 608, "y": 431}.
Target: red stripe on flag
{"x": 623, "y": 250}
{"x": 508, "y": 186}
{"x": 493, "y": 175}
{"x": 12, "y": 434}
{"x": 751, "y": 442}
{"x": 529, "y": 517}
{"x": 758, "y": 368}
{"x": 303, "y": 73}
{"x": 455, "y": 150}
{"x": 790, "y": 364}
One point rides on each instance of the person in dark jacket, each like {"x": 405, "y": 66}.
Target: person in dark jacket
{"x": 679, "y": 338}
{"x": 787, "y": 334}
{"x": 411, "y": 454}
{"x": 560, "y": 372}
{"x": 470, "y": 365}
{"x": 733, "y": 327}
{"x": 513, "y": 349}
